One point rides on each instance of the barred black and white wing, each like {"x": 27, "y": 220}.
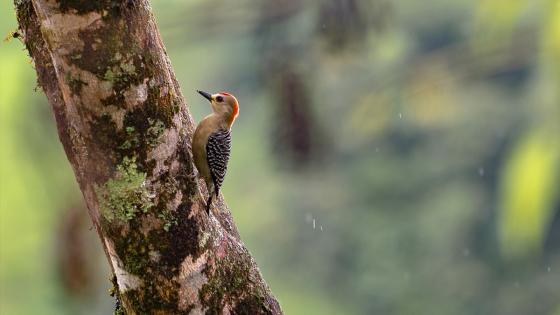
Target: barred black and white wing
{"x": 218, "y": 149}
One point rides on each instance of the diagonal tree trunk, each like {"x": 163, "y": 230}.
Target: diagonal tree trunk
{"x": 126, "y": 131}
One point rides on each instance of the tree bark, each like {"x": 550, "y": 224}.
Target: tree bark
{"x": 126, "y": 130}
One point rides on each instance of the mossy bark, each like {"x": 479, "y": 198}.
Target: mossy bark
{"x": 126, "y": 131}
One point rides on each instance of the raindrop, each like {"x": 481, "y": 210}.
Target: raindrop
{"x": 400, "y": 115}
{"x": 314, "y": 224}
{"x": 481, "y": 171}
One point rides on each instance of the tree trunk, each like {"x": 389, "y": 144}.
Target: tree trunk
{"x": 126, "y": 131}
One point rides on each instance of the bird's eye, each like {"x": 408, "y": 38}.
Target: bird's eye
{"x": 219, "y": 99}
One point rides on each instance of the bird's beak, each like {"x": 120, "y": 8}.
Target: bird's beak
{"x": 207, "y": 96}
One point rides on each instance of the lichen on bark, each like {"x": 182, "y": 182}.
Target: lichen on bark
{"x": 125, "y": 195}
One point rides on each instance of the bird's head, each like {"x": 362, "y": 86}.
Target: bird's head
{"x": 223, "y": 103}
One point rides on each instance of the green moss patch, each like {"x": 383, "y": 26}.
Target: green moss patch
{"x": 131, "y": 139}
{"x": 125, "y": 195}
{"x": 230, "y": 283}
{"x": 169, "y": 220}
{"x": 157, "y": 298}
{"x": 154, "y": 132}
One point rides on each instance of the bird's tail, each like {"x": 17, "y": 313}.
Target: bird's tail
{"x": 213, "y": 190}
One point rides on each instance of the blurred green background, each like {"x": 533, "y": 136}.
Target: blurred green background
{"x": 391, "y": 157}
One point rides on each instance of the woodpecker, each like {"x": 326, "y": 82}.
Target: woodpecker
{"x": 212, "y": 141}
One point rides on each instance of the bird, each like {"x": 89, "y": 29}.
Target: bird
{"x": 211, "y": 145}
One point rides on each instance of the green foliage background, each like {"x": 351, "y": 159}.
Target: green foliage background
{"x": 435, "y": 189}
